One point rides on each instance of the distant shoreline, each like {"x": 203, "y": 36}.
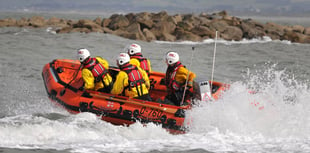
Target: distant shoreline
{"x": 162, "y": 26}
{"x": 302, "y": 20}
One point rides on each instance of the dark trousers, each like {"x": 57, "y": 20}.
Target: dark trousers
{"x": 145, "y": 97}
{"x": 106, "y": 89}
{"x": 177, "y": 96}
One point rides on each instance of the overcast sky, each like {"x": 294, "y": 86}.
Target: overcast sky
{"x": 252, "y": 7}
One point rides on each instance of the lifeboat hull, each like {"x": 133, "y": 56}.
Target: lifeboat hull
{"x": 62, "y": 80}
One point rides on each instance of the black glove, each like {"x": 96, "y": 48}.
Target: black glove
{"x": 81, "y": 88}
{"x": 189, "y": 85}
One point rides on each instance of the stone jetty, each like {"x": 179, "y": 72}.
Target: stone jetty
{"x": 147, "y": 26}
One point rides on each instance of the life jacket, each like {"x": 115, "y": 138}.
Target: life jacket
{"x": 135, "y": 78}
{"x": 97, "y": 69}
{"x": 143, "y": 63}
{"x": 171, "y": 82}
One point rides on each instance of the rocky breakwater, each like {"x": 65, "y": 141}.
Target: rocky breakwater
{"x": 162, "y": 26}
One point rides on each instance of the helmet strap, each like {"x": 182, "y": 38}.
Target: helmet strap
{"x": 86, "y": 61}
{"x": 138, "y": 54}
{"x": 123, "y": 66}
{"x": 175, "y": 64}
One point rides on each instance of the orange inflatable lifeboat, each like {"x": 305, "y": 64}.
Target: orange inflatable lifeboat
{"x": 62, "y": 80}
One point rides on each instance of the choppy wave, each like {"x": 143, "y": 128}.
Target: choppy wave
{"x": 264, "y": 39}
{"x": 266, "y": 102}
{"x": 274, "y": 119}
{"x": 276, "y": 115}
{"x": 51, "y": 30}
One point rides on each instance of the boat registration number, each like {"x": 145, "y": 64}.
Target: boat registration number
{"x": 151, "y": 113}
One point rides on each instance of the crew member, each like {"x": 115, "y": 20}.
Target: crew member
{"x": 131, "y": 80}
{"x": 94, "y": 72}
{"x": 137, "y": 59}
{"x": 176, "y": 76}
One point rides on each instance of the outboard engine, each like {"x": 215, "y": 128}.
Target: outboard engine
{"x": 202, "y": 90}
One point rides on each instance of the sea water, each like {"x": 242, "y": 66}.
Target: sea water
{"x": 274, "y": 119}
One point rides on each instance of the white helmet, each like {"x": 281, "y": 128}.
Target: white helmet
{"x": 172, "y": 57}
{"x": 123, "y": 58}
{"x": 82, "y": 54}
{"x": 133, "y": 49}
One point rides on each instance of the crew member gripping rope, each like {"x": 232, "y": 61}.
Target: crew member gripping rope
{"x": 176, "y": 76}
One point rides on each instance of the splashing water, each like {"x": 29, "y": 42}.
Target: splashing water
{"x": 273, "y": 117}
{"x": 278, "y": 107}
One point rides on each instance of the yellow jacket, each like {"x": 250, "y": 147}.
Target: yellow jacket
{"x": 136, "y": 62}
{"x": 89, "y": 80}
{"x": 181, "y": 76}
{"x": 176, "y": 80}
{"x": 122, "y": 81}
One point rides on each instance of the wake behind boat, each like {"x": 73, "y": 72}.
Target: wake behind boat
{"x": 62, "y": 80}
